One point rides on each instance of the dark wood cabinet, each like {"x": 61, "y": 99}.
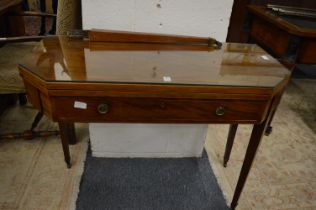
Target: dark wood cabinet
{"x": 291, "y": 40}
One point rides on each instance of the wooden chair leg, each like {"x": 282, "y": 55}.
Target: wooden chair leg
{"x": 54, "y": 5}
{"x": 25, "y": 5}
{"x": 37, "y": 119}
{"x": 230, "y": 142}
{"x": 30, "y": 134}
{"x": 43, "y": 18}
{"x": 22, "y": 98}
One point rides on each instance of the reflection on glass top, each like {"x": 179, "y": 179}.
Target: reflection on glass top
{"x": 72, "y": 60}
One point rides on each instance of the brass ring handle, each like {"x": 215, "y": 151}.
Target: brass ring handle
{"x": 220, "y": 111}
{"x": 103, "y": 108}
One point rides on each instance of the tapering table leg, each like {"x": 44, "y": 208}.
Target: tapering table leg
{"x": 268, "y": 130}
{"x": 64, "y": 135}
{"x": 256, "y": 135}
{"x": 230, "y": 142}
{"x": 277, "y": 100}
{"x": 71, "y": 133}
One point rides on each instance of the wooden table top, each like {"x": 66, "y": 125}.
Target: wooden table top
{"x": 65, "y": 59}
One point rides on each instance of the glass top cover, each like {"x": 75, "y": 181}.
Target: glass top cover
{"x": 64, "y": 59}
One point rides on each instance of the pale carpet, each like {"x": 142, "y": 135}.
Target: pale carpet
{"x": 33, "y": 174}
{"x": 283, "y": 175}
{"x": 10, "y": 54}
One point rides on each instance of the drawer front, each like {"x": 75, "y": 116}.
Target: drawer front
{"x": 90, "y": 109}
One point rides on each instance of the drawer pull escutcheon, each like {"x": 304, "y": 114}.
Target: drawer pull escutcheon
{"x": 220, "y": 111}
{"x": 103, "y": 108}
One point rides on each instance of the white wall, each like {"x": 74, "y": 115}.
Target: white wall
{"x": 183, "y": 17}
{"x": 147, "y": 140}
{"x": 208, "y": 18}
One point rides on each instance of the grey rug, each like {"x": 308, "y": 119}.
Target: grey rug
{"x": 145, "y": 184}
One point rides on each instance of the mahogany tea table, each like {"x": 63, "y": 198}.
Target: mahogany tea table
{"x": 79, "y": 80}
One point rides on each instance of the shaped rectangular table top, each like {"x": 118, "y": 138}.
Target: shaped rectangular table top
{"x": 65, "y": 59}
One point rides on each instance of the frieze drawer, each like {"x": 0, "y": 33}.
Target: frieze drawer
{"x": 98, "y": 109}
